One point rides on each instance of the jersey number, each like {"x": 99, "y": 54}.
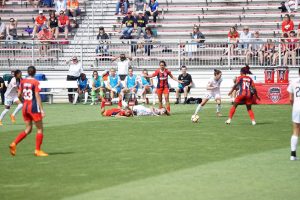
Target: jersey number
{"x": 27, "y": 94}
{"x": 297, "y": 91}
{"x": 246, "y": 85}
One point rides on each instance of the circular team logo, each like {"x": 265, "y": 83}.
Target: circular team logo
{"x": 274, "y": 94}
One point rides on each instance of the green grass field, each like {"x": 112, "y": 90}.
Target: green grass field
{"x": 152, "y": 158}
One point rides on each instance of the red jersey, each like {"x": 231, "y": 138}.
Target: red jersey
{"x": 114, "y": 111}
{"x": 63, "y": 19}
{"x": 28, "y": 87}
{"x": 40, "y": 20}
{"x": 244, "y": 84}
{"x": 233, "y": 35}
{"x": 287, "y": 26}
{"x": 292, "y": 43}
{"x": 162, "y": 78}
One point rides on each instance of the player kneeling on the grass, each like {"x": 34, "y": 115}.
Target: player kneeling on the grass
{"x": 294, "y": 90}
{"x": 98, "y": 86}
{"x": 32, "y": 111}
{"x": 113, "y": 83}
{"x": 11, "y": 96}
{"x": 184, "y": 87}
{"x": 115, "y": 112}
{"x": 140, "y": 110}
{"x": 246, "y": 91}
{"x": 83, "y": 88}
{"x": 131, "y": 85}
{"x": 213, "y": 88}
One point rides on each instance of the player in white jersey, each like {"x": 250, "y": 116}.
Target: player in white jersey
{"x": 140, "y": 110}
{"x": 294, "y": 90}
{"x": 213, "y": 88}
{"x": 11, "y": 96}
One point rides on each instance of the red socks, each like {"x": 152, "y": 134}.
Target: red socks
{"x": 38, "y": 141}
{"x": 231, "y": 112}
{"x": 103, "y": 103}
{"x": 169, "y": 108}
{"x": 120, "y": 103}
{"x": 251, "y": 114}
{"x": 20, "y": 137}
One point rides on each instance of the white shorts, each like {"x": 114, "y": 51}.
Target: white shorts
{"x": 296, "y": 116}
{"x": 10, "y": 100}
{"x": 214, "y": 95}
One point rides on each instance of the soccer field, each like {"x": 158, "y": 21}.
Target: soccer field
{"x": 152, "y": 158}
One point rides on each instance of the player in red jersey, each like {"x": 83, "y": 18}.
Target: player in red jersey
{"x": 32, "y": 111}
{"x": 246, "y": 89}
{"x": 162, "y": 83}
{"x": 115, "y": 112}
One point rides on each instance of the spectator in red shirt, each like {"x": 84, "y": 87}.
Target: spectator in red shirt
{"x": 44, "y": 36}
{"x": 287, "y": 25}
{"x": 233, "y": 38}
{"x": 292, "y": 46}
{"x": 40, "y": 20}
{"x": 63, "y": 23}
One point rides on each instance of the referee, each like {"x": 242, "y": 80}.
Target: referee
{"x": 75, "y": 69}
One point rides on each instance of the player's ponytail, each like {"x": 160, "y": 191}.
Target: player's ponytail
{"x": 217, "y": 72}
{"x": 31, "y": 71}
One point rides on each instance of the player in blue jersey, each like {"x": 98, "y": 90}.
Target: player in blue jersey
{"x": 131, "y": 84}
{"x": 147, "y": 86}
{"x": 83, "y": 88}
{"x": 113, "y": 83}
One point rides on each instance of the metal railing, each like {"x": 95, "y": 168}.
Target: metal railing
{"x": 147, "y": 54}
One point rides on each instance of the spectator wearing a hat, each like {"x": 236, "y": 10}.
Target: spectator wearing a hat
{"x": 60, "y": 5}
{"x": 40, "y": 20}
{"x": 102, "y": 37}
{"x": 63, "y": 23}
{"x": 139, "y": 6}
{"x": 120, "y": 4}
{"x": 2, "y": 30}
{"x": 73, "y": 8}
{"x": 245, "y": 38}
{"x": 44, "y": 36}
{"x": 130, "y": 23}
{"x": 255, "y": 46}
{"x": 153, "y": 5}
{"x": 11, "y": 29}
{"x": 75, "y": 69}
{"x": 291, "y": 50}
{"x": 141, "y": 22}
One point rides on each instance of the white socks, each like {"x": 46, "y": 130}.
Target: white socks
{"x": 198, "y": 109}
{"x": 4, "y": 112}
{"x": 86, "y": 95}
{"x": 18, "y": 108}
{"x": 218, "y": 108}
{"x": 294, "y": 142}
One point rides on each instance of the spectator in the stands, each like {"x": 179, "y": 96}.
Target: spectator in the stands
{"x": 34, "y": 3}
{"x": 291, "y": 5}
{"x": 197, "y": 36}
{"x": 53, "y": 24}
{"x": 283, "y": 49}
{"x": 287, "y": 25}
{"x": 282, "y": 7}
{"x": 2, "y": 30}
{"x": 267, "y": 52}
{"x": 148, "y": 39}
{"x": 130, "y": 24}
{"x": 2, "y": 3}
{"x": 75, "y": 69}
{"x": 292, "y": 47}
{"x": 123, "y": 64}
{"x": 142, "y": 22}
{"x": 245, "y": 38}
{"x": 44, "y": 36}
{"x": 63, "y": 23}
{"x": 153, "y": 6}
{"x": 11, "y": 29}
{"x": 233, "y": 37}
{"x": 139, "y": 5}
{"x": 122, "y": 4}
{"x": 255, "y": 46}
{"x": 73, "y": 8}
{"x": 40, "y": 20}
{"x": 298, "y": 31}
{"x": 2, "y": 90}
{"x": 60, "y": 5}
{"x": 184, "y": 87}
{"x": 102, "y": 37}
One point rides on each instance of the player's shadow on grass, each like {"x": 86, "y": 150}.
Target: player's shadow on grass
{"x": 61, "y": 153}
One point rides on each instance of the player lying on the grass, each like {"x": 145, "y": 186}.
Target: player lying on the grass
{"x": 29, "y": 91}
{"x": 140, "y": 110}
{"x": 294, "y": 90}
{"x": 11, "y": 96}
{"x": 115, "y": 112}
{"x": 131, "y": 85}
{"x": 213, "y": 88}
{"x": 246, "y": 90}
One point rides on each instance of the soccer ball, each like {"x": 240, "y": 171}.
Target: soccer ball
{"x": 195, "y": 118}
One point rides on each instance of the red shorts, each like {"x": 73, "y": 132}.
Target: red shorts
{"x": 32, "y": 117}
{"x": 243, "y": 100}
{"x": 162, "y": 90}
{"x": 113, "y": 111}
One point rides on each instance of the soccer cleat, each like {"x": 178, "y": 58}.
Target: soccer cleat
{"x": 1, "y": 123}
{"x": 12, "y": 118}
{"x": 228, "y": 121}
{"x": 293, "y": 158}
{"x": 253, "y": 123}
{"x": 93, "y": 104}
{"x": 40, "y": 153}
{"x": 13, "y": 149}
{"x": 219, "y": 114}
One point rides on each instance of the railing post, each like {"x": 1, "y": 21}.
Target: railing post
{"x": 32, "y": 53}
{"x": 279, "y": 53}
{"x": 179, "y": 53}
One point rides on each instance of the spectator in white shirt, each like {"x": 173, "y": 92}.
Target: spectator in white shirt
{"x": 255, "y": 47}
{"x": 60, "y": 5}
{"x": 123, "y": 63}
{"x": 75, "y": 69}
{"x": 2, "y": 30}
{"x": 245, "y": 38}
{"x": 291, "y": 5}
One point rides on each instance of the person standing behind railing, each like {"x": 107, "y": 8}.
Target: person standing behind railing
{"x": 75, "y": 69}
{"x": 44, "y": 36}
{"x": 292, "y": 47}
{"x": 11, "y": 29}
{"x": 102, "y": 37}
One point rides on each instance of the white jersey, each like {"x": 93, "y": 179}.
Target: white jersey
{"x": 215, "y": 83}
{"x": 12, "y": 89}
{"x": 294, "y": 88}
{"x": 143, "y": 111}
